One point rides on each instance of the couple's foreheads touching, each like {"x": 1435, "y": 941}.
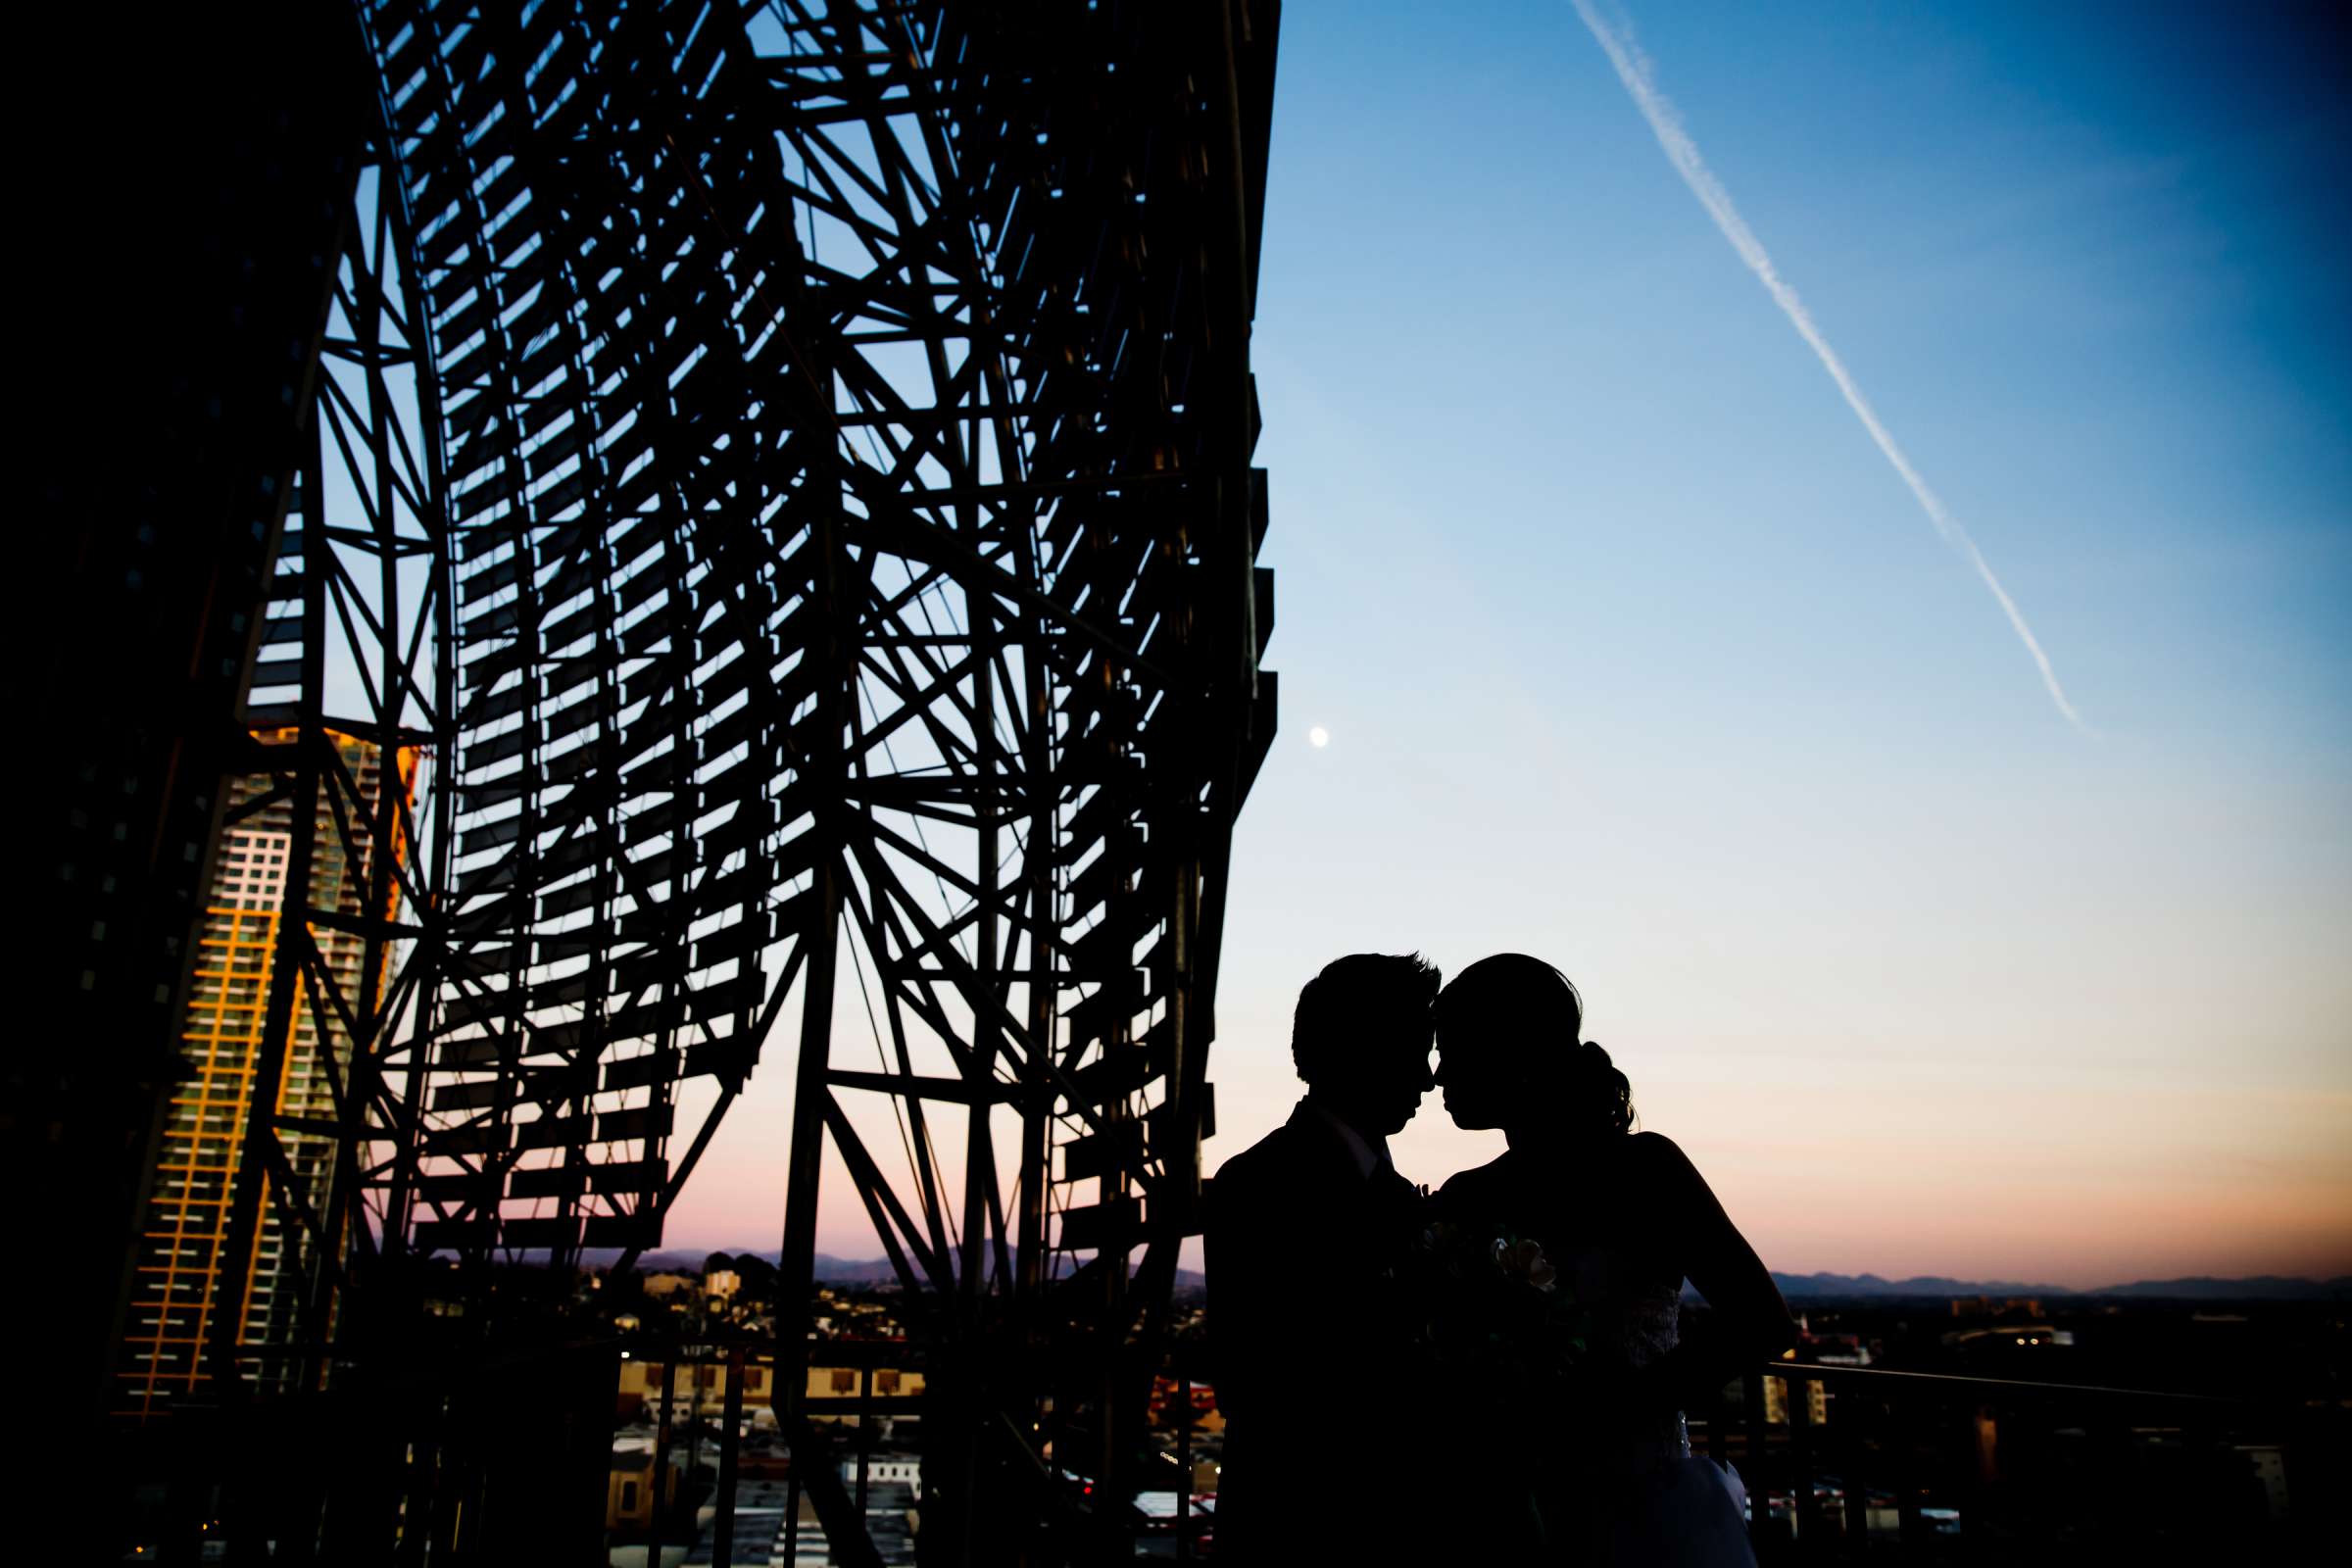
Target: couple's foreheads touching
{"x": 1507, "y": 1033}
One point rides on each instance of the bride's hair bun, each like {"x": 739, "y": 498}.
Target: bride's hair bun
{"x": 1593, "y": 1087}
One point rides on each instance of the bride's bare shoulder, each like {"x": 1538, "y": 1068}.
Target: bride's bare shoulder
{"x": 1656, "y": 1154}
{"x": 1658, "y": 1166}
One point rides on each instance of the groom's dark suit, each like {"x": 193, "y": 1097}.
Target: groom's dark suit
{"x": 1303, "y": 1230}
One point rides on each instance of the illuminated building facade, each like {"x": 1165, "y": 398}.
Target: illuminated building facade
{"x": 182, "y": 1244}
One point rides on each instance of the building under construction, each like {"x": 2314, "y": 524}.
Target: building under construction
{"x": 183, "y": 1274}
{"x": 586, "y": 550}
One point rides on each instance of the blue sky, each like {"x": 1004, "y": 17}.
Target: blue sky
{"x": 1637, "y": 655}
{"x": 1635, "y": 652}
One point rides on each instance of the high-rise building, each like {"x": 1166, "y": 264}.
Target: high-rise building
{"x": 183, "y": 1275}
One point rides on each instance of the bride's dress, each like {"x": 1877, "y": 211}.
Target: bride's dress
{"x": 1640, "y": 1497}
{"x": 1612, "y": 1476}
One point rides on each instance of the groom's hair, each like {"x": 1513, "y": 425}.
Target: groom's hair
{"x": 1354, "y": 997}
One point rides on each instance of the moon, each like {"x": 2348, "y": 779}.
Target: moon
{"x": 1318, "y": 737}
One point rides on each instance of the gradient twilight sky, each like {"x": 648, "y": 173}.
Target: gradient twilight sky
{"x": 1637, "y": 655}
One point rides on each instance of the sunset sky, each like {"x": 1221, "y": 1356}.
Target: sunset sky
{"x": 1637, "y": 653}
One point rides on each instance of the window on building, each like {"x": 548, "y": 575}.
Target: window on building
{"x": 886, "y": 1382}
{"x": 844, "y": 1380}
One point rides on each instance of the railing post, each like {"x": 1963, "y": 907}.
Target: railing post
{"x": 1985, "y": 1428}
{"x": 694, "y": 1439}
{"x": 1184, "y": 1465}
{"x": 1910, "y": 1532}
{"x": 1857, "y": 1494}
{"x": 792, "y": 1513}
{"x": 722, "y": 1523}
{"x": 653, "y": 1535}
{"x": 1751, "y": 1428}
{"x": 1804, "y": 1519}
{"x": 865, "y": 1429}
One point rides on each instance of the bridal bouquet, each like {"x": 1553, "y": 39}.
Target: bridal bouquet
{"x": 1490, "y": 1313}
{"x": 1498, "y": 1339}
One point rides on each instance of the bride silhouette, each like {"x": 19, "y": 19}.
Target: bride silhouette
{"x": 1624, "y": 1219}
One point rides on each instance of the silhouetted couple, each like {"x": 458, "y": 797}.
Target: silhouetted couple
{"x": 1497, "y": 1372}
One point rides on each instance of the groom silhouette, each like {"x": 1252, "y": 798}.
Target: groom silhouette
{"x": 1303, "y": 1227}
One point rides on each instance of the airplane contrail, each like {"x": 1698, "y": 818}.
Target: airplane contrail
{"x": 1634, "y": 69}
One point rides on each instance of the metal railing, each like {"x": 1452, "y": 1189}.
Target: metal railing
{"x": 1848, "y": 1462}
{"x": 721, "y": 1370}
{"x": 1840, "y": 1463}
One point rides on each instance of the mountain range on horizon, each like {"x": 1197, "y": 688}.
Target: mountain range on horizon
{"x": 2195, "y": 1286}
{"x": 1796, "y": 1288}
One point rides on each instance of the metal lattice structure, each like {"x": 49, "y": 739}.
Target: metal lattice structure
{"x": 351, "y": 686}
{"x": 788, "y": 466}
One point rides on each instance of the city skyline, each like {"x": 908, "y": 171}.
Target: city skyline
{"x": 184, "y": 1250}
{"x": 1632, "y": 652}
